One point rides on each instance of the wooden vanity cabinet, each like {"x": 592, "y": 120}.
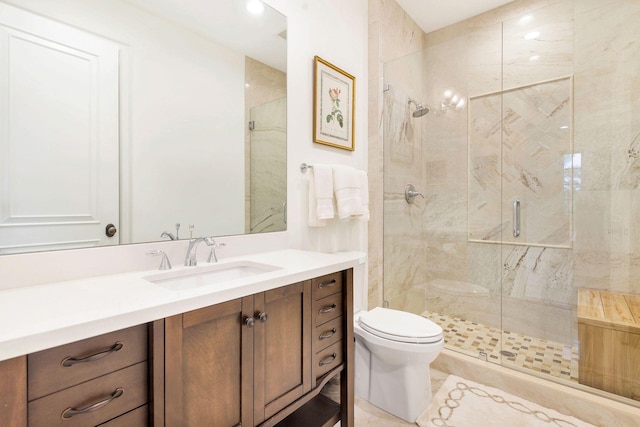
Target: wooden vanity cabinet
{"x": 261, "y": 360}
{"x": 238, "y": 362}
{"x": 254, "y": 361}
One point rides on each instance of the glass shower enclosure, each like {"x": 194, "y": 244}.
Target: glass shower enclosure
{"x": 524, "y": 242}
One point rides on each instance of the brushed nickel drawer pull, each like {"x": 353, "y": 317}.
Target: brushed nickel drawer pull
{"x": 70, "y": 361}
{"x": 327, "y": 335}
{"x": 327, "y": 284}
{"x": 70, "y": 412}
{"x": 262, "y": 317}
{"x": 328, "y": 360}
{"x": 328, "y": 308}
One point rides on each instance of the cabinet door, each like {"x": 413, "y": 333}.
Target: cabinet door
{"x": 13, "y": 392}
{"x": 282, "y": 348}
{"x": 208, "y": 366}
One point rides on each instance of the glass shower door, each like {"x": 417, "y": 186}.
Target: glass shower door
{"x": 268, "y": 173}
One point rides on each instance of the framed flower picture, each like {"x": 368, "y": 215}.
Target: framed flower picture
{"x": 333, "y": 105}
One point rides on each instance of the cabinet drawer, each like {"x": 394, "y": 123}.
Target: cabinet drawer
{"x": 136, "y": 418}
{"x": 96, "y": 401}
{"x": 67, "y": 365}
{"x": 327, "y": 359}
{"x": 327, "y": 308}
{"x": 326, "y": 285}
{"x": 327, "y": 334}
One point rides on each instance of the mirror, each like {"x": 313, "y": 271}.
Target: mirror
{"x": 137, "y": 116}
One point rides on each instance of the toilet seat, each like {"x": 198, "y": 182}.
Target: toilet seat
{"x": 400, "y": 326}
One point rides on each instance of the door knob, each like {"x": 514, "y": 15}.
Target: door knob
{"x": 110, "y": 230}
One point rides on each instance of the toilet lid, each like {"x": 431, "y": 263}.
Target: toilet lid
{"x": 400, "y": 326}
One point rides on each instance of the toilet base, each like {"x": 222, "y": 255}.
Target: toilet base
{"x": 402, "y": 390}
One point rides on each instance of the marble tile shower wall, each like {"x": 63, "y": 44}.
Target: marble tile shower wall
{"x": 392, "y": 35}
{"x": 588, "y": 237}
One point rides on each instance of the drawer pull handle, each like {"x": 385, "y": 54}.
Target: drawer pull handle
{"x": 328, "y": 309}
{"x": 70, "y": 412}
{"x": 328, "y": 360}
{"x": 262, "y": 317}
{"x": 327, "y": 335}
{"x": 327, "y": 284}
{"x": 70, "y": 361}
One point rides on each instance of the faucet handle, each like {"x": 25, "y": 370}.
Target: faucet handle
{"x": 164, "y": 264}
{"x": 212, "y": 253}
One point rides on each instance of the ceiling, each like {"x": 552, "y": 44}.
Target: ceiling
{"x": 431, "y": 15}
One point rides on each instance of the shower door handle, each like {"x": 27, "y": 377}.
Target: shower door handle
{"x": 516, "y": 218}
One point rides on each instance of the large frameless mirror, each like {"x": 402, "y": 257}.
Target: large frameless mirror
{"x": 126, "y": 121}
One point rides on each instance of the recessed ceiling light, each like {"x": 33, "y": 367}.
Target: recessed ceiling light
{"x": 532, "y": 35}
{"x": 255, "y": 6}
{"x": 525, "y": 19}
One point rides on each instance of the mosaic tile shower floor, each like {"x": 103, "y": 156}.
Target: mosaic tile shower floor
{"x": 547, "y": 357}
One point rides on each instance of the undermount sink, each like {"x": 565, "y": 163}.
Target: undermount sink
{"x": 209, "y": 275}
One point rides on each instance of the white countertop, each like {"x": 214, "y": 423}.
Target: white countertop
{"x": 38, "y": 317}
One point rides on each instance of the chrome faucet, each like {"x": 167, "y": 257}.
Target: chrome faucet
{"x": 190, "y": 260}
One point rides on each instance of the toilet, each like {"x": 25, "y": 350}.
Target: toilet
{"x": 393, "y": 353}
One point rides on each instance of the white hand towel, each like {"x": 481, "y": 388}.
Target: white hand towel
{"x": 347, "y": 187}
{"x": 313, "y": 206}
{"x": 364, "y": 194}
{"x": 323, "y": 185}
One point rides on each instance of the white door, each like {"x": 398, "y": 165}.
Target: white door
{"x": 58, "y": 135}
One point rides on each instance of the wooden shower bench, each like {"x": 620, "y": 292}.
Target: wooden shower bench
{"x": 609, "y": 334}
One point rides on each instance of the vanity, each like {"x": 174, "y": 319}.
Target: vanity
{"x": 187, "y": 347}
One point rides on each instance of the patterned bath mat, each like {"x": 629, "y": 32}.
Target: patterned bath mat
{"x": 463, "y": 403}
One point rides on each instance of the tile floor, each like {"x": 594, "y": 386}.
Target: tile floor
{"x": 519, "y": 350}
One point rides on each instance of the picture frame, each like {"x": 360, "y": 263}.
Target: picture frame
{"x": 334, "y": 93}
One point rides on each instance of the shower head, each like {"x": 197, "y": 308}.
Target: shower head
{"x": 420, "y": 109}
